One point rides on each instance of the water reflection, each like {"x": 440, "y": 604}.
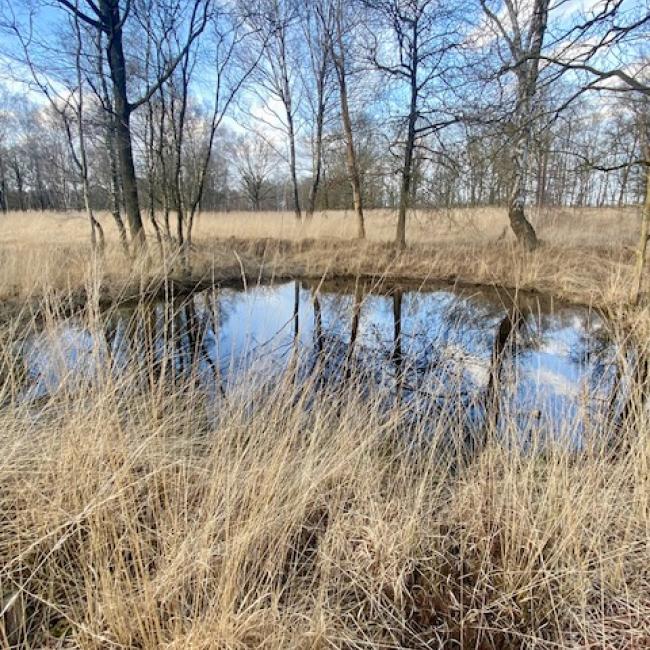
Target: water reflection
{"x": 479, "y": 357}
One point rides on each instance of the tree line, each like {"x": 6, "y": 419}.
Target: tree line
{"x": 159, "y": 109}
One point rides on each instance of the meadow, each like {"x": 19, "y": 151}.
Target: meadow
{"x": 588, "y": 254}
{"x": 138, "y": 511}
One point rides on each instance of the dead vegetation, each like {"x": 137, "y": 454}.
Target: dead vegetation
{"x": 587, "y": 256}
{"x": 154, "y": 517}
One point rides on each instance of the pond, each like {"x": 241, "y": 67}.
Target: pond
{"x": 435, "y": 351}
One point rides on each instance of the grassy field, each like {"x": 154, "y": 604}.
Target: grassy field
{"x": 587, "y": 254}
{"x": 136, "y": 513}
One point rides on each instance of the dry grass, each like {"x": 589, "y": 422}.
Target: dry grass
{"x": 587, "y": 254}
{"x": 153, "y": 517}
{"x": 462, "y": 225}
{"x": 142, "y": 514}
{"x": 584, "y": 226}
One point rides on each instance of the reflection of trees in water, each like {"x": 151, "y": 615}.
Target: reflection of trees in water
{"x": 430, "y": 337}
{"x": 397, "y": 332}
{"x": 169, "y": 341}
{"x": 318, "y": 324}
{"x": 409, "y": 359}
{"x": 439, "y": 356}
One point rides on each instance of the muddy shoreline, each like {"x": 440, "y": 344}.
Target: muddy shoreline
{"x": 35, "y": 307}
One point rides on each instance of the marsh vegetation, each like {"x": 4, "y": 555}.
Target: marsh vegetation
{"x": 324, "y": 324}
{"x": 321, "y": 464}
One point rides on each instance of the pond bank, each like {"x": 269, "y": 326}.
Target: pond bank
{"x": 598, "y": 276}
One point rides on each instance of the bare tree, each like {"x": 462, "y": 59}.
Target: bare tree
{"x": 275, "y": 75}
{"x": 524, "y": 43}
{"x": 62, "y": 105}
{"x": 110, "y": 142}
{"x": 255, "y": 163}
{"x": 110, "y": 18}
{"x": 81, "y": 159}
{"x": 420, "y": 38}
{"x": 229, "y": 36}
{"x": 316, "y": 78}
{"x": 605, "y": 47}
{"x": 335, "y": 16}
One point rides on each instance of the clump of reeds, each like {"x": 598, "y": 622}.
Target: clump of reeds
{"x": 139, "y": 511}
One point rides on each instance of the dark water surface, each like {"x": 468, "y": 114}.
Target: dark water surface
{"x": 547, "y": 364}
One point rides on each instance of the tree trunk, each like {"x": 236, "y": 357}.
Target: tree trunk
{"x": 19, "y": 185}
{"x": 643, "y": 236}
{"x": 115, "y": 187}
{"x": 320, "y": 120}
{"x": 407, "y": 168}
{"x": 623, "y": 187}
{"x": 109, "y": 139}
{"x": 179, "y": 132}
{"x": 527, "y": 74}
{"x": 521, "y": 227}
{"x": 351, "y": 161}
{"x": 288, "y": 107}
{"x": 150, "y": 162}
{"x": 409, "y": 146}
{"x": 96, "y": 231}
{"x": 351, "y": 157}
{"x": 129, "y": 182}
{"x": 318, "y": 162}
{"x": 97, "y": 240}
{"x": 115, "y": 54}
{"x": 40, "y": 192}
{"x": 292, "y": 163}
{"x": 626, "y": 175}
{"x": 160, "y": 152}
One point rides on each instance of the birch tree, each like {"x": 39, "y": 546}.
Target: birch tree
{"x": 337, "y": 20}
{"x": 316, "y": 83}
{"x": 523, "y": 33}
{"x": 275, "y": 78}
{"x": 411, "y": 46}
{"x": 110, "y": 18}
{"x": 607, "y": 50}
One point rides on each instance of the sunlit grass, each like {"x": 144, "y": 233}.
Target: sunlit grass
{"x": 136, "y": 512}
{"x": 587, "y": 254}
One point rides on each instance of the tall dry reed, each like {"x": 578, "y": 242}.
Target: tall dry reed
{"x": 138, "y": 511}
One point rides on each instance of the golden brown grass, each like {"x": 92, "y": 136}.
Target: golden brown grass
{"x": 457, "y": 225}
{"x": 154, "y": 518}
{"x": 140, "y": 514}
{"x": 587, "y": 227}
{"x": 587, "y": 254}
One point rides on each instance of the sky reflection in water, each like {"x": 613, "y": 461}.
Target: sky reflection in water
{"x": 433, "y": 345}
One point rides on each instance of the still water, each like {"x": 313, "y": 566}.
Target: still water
{"x": 549, "y": 365}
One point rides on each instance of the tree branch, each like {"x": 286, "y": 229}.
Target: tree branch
{"x": 96, "y": 23}
{"x": 151, "y": 91}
